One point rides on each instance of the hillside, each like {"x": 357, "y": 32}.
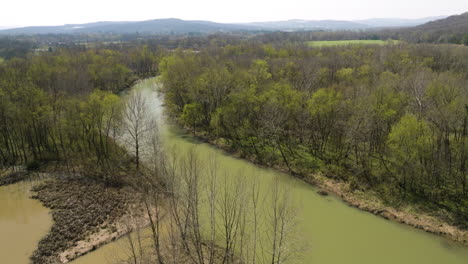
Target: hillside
{"x": 453, "y": 29}
{"x": 157, "y": 26}
{"x": 177, "y": 26}
{"x": 296, "y": 25}
{"x": 454, "y": 23}
{"x": 397, "y": 22}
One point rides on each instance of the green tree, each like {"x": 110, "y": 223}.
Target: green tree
{"x": 324, "y": 108}
{"x": 409, "y": 143}
{"x": 192, "y": 116}
{"x": 465, "y": 39}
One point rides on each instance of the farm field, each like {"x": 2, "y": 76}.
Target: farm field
{"x": 328, "y": 43}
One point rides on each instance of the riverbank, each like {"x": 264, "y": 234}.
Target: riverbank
{"x": 86, "y": 214}
{"x": 366, "y": 201}
{"x": 14, "y": 177}
{"x": 407, "y": 215}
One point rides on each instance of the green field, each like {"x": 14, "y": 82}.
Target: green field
{"x": 328, "y": 43}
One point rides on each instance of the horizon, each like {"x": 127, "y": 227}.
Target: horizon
{"x": 249, "y": 131}
{"x": 3, "y": 27}
{"x": 57, "y": 13}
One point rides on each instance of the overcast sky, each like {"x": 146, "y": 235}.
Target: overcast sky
{"x": 59, "y": 12}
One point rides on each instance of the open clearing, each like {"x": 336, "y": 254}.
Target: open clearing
{"x": 328, "y": 43}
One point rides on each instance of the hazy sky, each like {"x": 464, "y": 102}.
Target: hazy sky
{"x": 58, "y": 12}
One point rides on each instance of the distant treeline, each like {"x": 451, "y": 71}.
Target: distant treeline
{"x": 21, "y": 46}
{"x": 11, "y": 48}
{"x": 390, "y": 119}
{"x": 452, "y": 30}
{"x": 412, "y": 35}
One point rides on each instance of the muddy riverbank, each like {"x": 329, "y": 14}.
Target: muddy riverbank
{"x": 365, "y": 201}
{"x": 374, "y": 205}
{"x": 86, "y": 215}
{"x": 14, "y": 177}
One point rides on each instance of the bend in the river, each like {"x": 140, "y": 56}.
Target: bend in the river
{"x": 336, "y": 232}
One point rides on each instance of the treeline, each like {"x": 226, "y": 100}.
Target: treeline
{"x": 453, "y": 29}
{"x": 20, "y": 46}
{"x": 391, "y": 119}
{"x": 61, "y": 106}
{"x": 412, "y": 35}
{"x": 11, "y": 48}
{"x": 319, "y": 35}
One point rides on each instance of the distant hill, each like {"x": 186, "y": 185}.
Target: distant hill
{"x": 178, "y": 26}
{"x": 397, "y": 22}
{"x": 157, "y": 26}
{"x": 295, "y": 25}
{"x": 452, "y": 29}
{"x": 455, "y": 24}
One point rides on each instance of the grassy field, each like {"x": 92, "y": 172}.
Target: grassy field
{"x": 348, "y": 42}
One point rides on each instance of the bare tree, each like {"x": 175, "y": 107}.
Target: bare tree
{"x": 282, "y": 231}
{"x": 192, "y": 176}
{"x": 212, "y": 196}
{"x": 138, "y": 124}
{"x": 231, "y": 210}
{"x": 213, "y": 219}
{"x": 134, "y": 242}
{"x": 255, "y": 195}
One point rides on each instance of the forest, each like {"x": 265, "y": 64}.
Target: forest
{"x": 63, "y": 106}
{"x": 386, "y": 119}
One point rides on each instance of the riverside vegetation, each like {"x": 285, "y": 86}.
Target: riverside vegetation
{"x": 61, "y": 113}
{"x": 389, "y": 120}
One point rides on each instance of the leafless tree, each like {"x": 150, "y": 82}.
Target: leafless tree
{"x": 231, "y": 210}
{"x": 138, "y": 124}
{"x": 282, "y": 231}
{"x": 212, "y": 196}
{"x": 213, "y": 219}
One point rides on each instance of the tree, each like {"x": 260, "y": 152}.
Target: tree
{"x": 282, "y": 233}
{"x": 465, "y": 40}
{"x": 324, "y": 109}
{"x": 101, "y": 113}
{"x": 410, "y": 147}
{"x": 138, "y": 125}
{"x": 192, "y": 116}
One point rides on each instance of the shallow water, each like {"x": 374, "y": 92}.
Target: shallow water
{"x": 336, "y": 232}
{"x": 23, "y": 222}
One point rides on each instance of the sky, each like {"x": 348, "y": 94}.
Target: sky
{"x": 16, "y": 13}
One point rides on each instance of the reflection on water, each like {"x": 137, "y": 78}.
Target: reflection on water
{"x": 23, "y": 221}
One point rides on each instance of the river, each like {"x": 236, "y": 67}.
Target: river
{"x": 23, "y": 222}
{"x": 336, "y": 232}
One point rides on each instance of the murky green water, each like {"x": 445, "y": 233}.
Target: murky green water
{"x": 23, "y": 222}
{"x": 336, "y": 232}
